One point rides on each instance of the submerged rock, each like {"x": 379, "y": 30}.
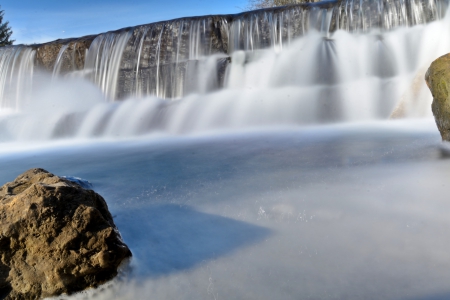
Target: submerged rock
{"x": 55, "y": 237}
{"x": 438, "y": 80}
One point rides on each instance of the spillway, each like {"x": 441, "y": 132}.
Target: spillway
{"x": 284, "y": 153}
{"x": 313, "y": 63}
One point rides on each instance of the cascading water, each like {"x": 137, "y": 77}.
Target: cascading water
{"x": 16, "y": 72}
{"x": 363, "y": 15}
{"x": 276, "y": 208}
{"x": 103, "y": 61}
{"x": 59, "y": 59}
{"x": 162, "y": 59}
{"x": 333, "y": 61}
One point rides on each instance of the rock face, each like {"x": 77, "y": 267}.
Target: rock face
{"x": 161, "y": 39}
{"x": 438, "y": 80}
{"x": 72, "y": 59}
{"x": 55, "y": 237}
{"x": 162, "y": 59}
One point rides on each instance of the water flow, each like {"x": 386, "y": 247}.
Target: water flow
{"x": 103, "y": 61}
{"x": 311, "y": 79}
{"x": 16, "y": 71}
{"x": 273, "y": 29}
{"x": 269, "y": 88}
{"x": 363, "y": 15}
{"x": 163, "y": 59}
{"x": 59, "y": 60}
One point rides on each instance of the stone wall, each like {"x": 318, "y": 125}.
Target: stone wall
{"x": 156, "y": 56}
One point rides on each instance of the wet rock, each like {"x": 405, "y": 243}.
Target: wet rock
{"x": 72, "y": 59}
{"x": 55, "y": 237}
{"x": 438, "y": 80}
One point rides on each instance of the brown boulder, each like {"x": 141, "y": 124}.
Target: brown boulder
{"x": 55, "y": 237}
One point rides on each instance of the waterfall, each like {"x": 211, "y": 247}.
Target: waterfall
{"x": 332, "y": 61}
{"x": 363, "y": 15}
{"x": 103, "y": 61}
{"x": 160, "y": 57}
{"x": 16, "y": 71}
{"x": 163, "y": 59}
{"x": 58, "y": 62}
{"x": 275, "y": 28}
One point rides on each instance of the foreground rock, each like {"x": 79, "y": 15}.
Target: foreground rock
{"x": 55, "y": 237}
{"x": 438, "y": 80}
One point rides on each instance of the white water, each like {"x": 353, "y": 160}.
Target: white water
{"x": 332, "y": 212}
{"x": 346, "y": 78}
{"x": 16, "y": 71}
{"x": 166, "y": 59}
{"x": 288, "y": 183}
{"x": 103, "y": 61}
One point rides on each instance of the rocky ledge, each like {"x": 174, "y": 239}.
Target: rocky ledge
{"x": 55, "y": 237}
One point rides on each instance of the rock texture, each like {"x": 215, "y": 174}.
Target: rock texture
{"x": 294, "y": 20}
{"x": 162, "y": 58}
{"x": 55, "y": 237}
{"x": 438, "y": 80}
{"x": 72, "y": 59}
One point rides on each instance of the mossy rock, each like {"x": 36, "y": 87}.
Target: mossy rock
{"x": 438, "y": 81}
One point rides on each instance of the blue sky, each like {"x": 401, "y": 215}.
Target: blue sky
{"x": 46, "y": 20}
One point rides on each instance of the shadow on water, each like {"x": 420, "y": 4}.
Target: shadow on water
{"x": 171, "y": 238}
{"x": 178, "y": 171}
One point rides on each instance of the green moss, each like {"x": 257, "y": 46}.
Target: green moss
{"x": 443, "y": 89}
{"x": 438, "y": 80}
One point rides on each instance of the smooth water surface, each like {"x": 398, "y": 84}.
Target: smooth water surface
{"x": 329, "y": 212}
